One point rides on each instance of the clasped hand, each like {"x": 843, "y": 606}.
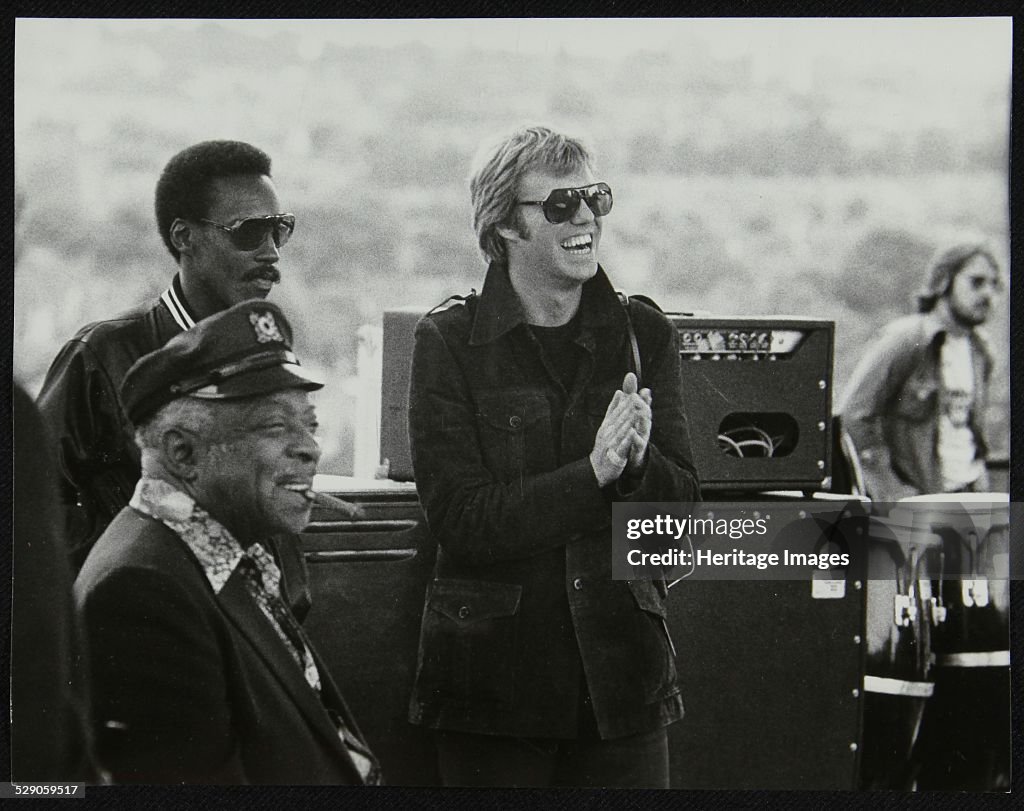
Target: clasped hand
{"x": 621, "y": 441}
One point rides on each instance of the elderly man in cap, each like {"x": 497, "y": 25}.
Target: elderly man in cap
{"x": 201, "y": 672}
{"x": 915, "y": 405}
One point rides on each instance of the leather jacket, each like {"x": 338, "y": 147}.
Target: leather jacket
{"x": 96, "y": 455}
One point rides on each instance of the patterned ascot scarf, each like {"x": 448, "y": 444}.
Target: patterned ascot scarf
{"x": 219, "y": 553}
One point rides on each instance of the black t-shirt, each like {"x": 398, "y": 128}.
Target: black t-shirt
{"x": 560, "y": 348}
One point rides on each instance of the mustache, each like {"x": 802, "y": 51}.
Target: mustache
{"x": 268, "y": 272}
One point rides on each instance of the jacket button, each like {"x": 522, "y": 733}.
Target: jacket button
{"x": 577, "y": 584}
{"x": 463, "y": 612}
{"x": 515, "y": 420}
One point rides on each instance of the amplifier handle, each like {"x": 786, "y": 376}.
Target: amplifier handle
{"x": 359, "y": 555}
{"x": 363, "y": 527}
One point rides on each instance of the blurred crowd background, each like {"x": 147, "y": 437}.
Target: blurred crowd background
{"x": 798, "y": 167}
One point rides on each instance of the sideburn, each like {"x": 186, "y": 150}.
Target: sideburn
{"x": 520, "y": 226}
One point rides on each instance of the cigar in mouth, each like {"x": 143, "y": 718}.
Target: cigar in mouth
{"x": 351, "y": 511}
{"x": 346, "y": 508}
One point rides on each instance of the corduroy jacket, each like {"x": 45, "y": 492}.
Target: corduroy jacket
{"x": 523, "y": 610}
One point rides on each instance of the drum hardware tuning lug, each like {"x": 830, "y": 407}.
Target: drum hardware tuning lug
{"x": 975, "y": 592}
{"x": 904, "y": 611}
{"x": 936, "y": 611}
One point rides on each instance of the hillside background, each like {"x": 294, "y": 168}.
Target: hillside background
{"x": 759, "y": 167}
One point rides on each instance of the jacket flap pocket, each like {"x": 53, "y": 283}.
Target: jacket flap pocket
{"x": 511, "y": 412}
{"x": 647, "y": 597}
{"x": 466, "y": 601}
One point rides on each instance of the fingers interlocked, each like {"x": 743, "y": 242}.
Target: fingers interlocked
{"x": 622, "y": 438}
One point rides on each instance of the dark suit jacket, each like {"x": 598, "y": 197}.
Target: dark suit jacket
{"x": 49, "y": 699}
{"x": 192, "y": 686}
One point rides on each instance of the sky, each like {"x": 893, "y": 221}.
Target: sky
{"x": 962, "y": 53}
{"x": 982, "y": 42}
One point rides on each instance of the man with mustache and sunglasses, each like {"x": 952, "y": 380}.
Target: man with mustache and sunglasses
{"x": 219, "y": 216}
{"x": 526, "y": 422}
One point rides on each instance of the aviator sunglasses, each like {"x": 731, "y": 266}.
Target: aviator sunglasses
{"x": 562, "y": 204}
{"x": 250, "y": 233}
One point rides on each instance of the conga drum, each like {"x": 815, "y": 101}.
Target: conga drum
{"x": 964, "y": 741}
{"x": 897, "y": 673}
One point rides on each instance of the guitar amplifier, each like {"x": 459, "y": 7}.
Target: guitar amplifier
{"x": 758, "y": 396}
{"x": 757, "y": 392}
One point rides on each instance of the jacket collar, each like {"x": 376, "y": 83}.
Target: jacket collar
{"x": 174, "y": 300}
{"x": 935, "y": 323}
{"x": 216, "y": 549}
{"x": 499, "y": 309}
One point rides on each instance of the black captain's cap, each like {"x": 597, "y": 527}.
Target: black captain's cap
{"x": 241, "y": 352}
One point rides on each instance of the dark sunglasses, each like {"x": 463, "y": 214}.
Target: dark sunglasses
{"x": 250, "y": 233}
{"x": 562, "y": 204}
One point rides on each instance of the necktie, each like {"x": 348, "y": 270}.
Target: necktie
{"x": 257, "y": 572}
{"x": 286, "y": 624}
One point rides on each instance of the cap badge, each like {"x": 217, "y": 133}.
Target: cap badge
{"x": 265, "y": 327}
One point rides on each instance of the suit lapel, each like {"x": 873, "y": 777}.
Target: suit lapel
{"x": 250, "y": 621}
{"x": 332, "y": 697}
